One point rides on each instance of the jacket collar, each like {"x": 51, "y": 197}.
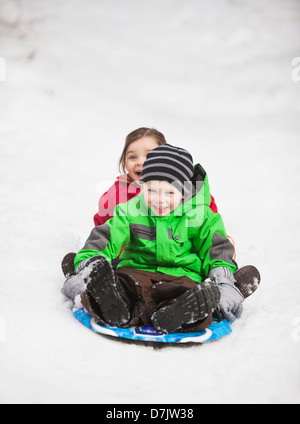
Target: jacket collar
{"x": 125, "y": 178}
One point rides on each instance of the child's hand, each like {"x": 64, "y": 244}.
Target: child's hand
{"x": 75, "y": 285}
{"x": 231, "y": 303}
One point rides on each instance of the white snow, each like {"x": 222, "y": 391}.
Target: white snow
{"x": 219, "y": 78}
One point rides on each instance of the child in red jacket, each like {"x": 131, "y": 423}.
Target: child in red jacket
{"x": 137, "y": 145}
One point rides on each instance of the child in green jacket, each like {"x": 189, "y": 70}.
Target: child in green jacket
{"x": 177, "y": 268}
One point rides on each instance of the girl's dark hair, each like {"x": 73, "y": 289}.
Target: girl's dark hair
{"x": 136, "y": 135}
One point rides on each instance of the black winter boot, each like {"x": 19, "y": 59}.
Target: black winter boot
{"x": 247, "y": 280}
{"x": 67, "y": 265}
{"x": 194, "y": 305}
{"x": 106, "y": 290}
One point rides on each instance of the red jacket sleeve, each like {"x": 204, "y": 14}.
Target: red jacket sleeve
{"x": 213, "y": 205}
{"x": 120, "y": 192}
{"x": 106, "y": 205}
{"x": 99, "y": 220}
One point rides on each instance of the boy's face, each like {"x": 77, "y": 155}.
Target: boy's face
{"x": 161, "y": 197}
{"x": 136, "y": 156}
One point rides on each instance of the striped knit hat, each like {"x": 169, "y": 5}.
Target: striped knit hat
{"x": 168, "y": 163}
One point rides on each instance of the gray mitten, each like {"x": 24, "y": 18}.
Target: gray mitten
{"x": 231, "y": 303}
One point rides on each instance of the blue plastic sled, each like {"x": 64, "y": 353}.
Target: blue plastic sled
{"x": 216, "y": 331}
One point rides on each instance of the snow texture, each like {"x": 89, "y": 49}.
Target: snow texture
{"x": 220, "y": 78}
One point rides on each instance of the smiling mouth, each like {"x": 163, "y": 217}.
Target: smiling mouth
{"x": 138, "y": 173}
{"x": 160, "y": 209}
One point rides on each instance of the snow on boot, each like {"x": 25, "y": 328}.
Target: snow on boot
{"x": 67, "y": 265}
{"x": 247, "y": 280}
{"x": 194, "y": 305}
{"x": 106, "y": 290}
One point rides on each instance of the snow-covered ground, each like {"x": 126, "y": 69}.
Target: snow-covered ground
{"x": 216, "y": 77}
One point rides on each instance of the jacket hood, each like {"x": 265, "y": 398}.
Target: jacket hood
{"x": 198, "y": 191}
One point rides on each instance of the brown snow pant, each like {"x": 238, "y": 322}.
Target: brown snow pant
{"x": 148, "y": 292}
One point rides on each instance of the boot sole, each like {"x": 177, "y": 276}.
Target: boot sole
{"x": 179, "y": 312}
{"x": 67, "y": 265}
{"x": 248, "y": 280}
{"x": 109, "y": 294}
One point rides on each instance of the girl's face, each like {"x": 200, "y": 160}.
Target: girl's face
{"x": 161, "y": 197}
{"x": 136, "y": 155}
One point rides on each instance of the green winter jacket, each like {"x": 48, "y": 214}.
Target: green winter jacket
{"x": 190, "y": 241}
